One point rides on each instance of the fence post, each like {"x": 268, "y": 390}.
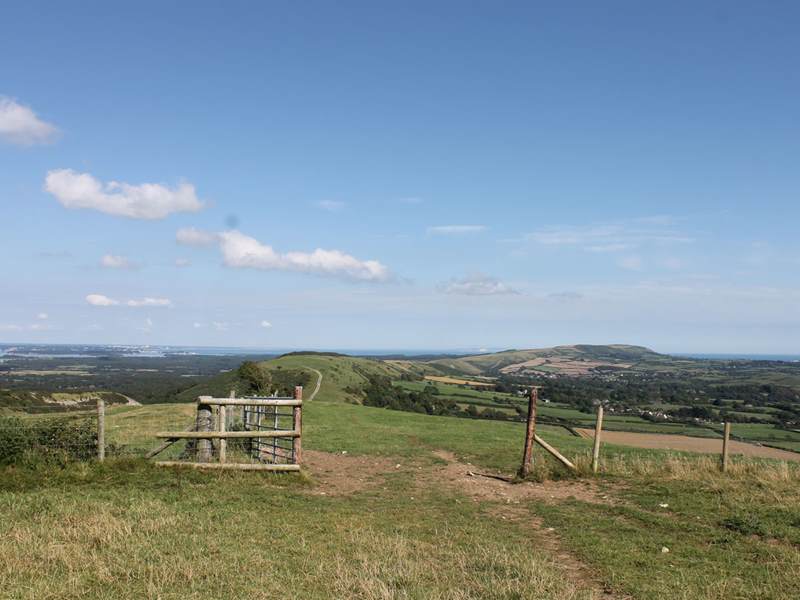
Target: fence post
{"x": 598, "y": 428}
{"x": 223, "y": 443}
{"x": 101, "y": 429}
{"x": 204, "y": 421}
{"x": 530, "y": 433}
{"x": 726, "y": 436}
{"x": 297, "y": 443}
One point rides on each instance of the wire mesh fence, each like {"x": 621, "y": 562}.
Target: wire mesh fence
{"x": 48, "y": 437}
{"x": 245, "y": 431}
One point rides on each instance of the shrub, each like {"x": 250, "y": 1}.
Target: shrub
{"x": 52, "y": 440}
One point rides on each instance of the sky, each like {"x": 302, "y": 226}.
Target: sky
{"x": 401, "y": 175}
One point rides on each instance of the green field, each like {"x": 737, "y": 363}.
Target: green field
{"x": 126, "y": 529}
{"x": 750, "y": 432}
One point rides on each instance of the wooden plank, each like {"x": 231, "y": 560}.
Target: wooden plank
{"x": 208, "y": 435}
{"x": 161, "y": 447}
{"x": 530, "y": 432}
{"x": 101, "y": 429}
{"x": 556, "y": 454}
{"x": 297, "y": 443}
{"x": 726, "y": 437}
{"x": 598, "y": 428}
{"x": 231, "y": 466}
{"x": 208, "y": 400}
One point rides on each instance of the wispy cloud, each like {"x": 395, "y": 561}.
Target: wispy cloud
{"x": 455, "y": 229}
{"x": 103, "y": 300}
{"x": 150, "y": 303}
{"x": 330, "y": 205}
{"x": 182, "y": 262}
{"x": 191, "y": 236}
{"x": 265, "y": 324}
{"x": 114, "y": 261}
{"x": 411, "y": 200}
{"x": 477, "y": 285}
{"x": 566, "y": 296}
{"x": 20, "y": 125}
{"x": 145, "y": 201}
{"x": 619, "y": 236}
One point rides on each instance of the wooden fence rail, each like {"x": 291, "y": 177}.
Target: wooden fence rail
{"x": 204, "y": 431}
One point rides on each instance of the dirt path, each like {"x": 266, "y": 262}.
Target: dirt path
{"x": 664, "y": 441}
{"x": 341, "y": 474}
{"x": 319, "y": 383}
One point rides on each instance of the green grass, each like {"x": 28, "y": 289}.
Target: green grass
{"x": 125, "y": 529}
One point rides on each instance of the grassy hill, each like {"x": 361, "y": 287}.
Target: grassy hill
{"x": 343, "y": 377}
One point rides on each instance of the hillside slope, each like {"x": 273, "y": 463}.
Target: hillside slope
{"x": 343, "y": 377}
{"x": 577, "y": 359}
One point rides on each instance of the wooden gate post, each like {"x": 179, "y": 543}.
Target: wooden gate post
{"x": 297, "y": 443}
{"x": 598, "y": 428}
{"x": 726, "y": 436}
{"x": 530, "y": 433}
{"x": 101, "y": 429}
{"x": 204, "y": 424}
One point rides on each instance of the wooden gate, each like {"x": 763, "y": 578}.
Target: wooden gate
{"x": 271, "y": 425}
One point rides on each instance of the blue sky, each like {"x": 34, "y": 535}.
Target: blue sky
{"x": 401, "y": 175}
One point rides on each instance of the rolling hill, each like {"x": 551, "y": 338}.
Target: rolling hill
{"x": 343, "y": 377}
{"x": 569, "y": 360}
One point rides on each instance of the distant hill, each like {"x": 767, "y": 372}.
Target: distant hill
{"x": 569, "y": 360}
{"x": 37, "y": 401}
{"x": 343, "y": 377}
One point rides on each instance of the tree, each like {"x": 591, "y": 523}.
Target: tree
{"x": 256, "y": 378}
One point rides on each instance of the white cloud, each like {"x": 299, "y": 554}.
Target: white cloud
{"x": 146, "y": 201}
{"x": 150, "y": 302}
{"x": 411, "y": 200}
{"x": 197, "y": 325}
{"x": 100, "y": 300}
{"x": 43, "y": 316}
{"x": 331, "y": 205}
{"x": 6, "y": 327}
{"x": 632, "y": 263}
{"x": 220, "y": 325}
{"x": 455, "y": 229}
{"x": 477, "y": 285}
{"x": 182, "y": 262}
{"x": 242, "y": 251}
{"x": 113, "y": 261}
{"x": 20, "y": 125}
{"x": 191, "y": 236}
{"x": 266, "y": 324}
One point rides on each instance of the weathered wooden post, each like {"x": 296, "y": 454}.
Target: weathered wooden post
{"x": 598, "y": 428}
{"x": 726, "y": 436}
{"x": 101, "y": 429}
{"x": 530, "y": 433}
{"x": 297, "y": 443}
{"x": 223, "y": 442}
{"x": 204, "y": 424}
